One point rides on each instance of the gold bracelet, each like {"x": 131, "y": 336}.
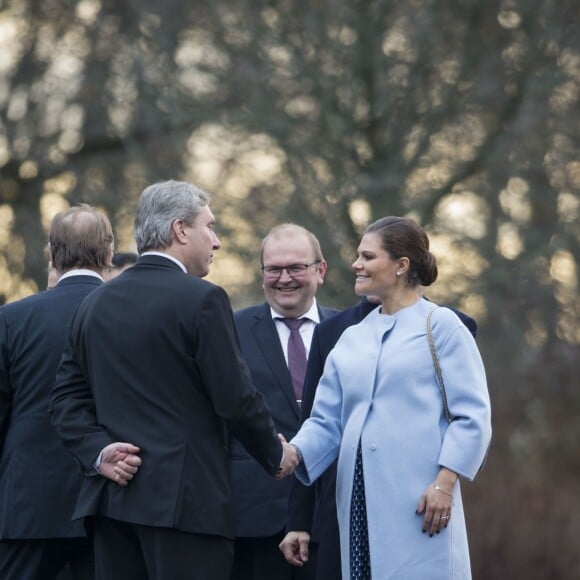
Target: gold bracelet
{"x": 437, "y": 488}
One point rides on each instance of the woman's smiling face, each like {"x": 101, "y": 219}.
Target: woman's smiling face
{"x": 375, "y": 269}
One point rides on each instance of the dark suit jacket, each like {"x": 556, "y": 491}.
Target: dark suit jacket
{"x": 153, "y": 359}
{"x": 313, "y": 509}
{"x": 260, "y": 504}
{"x": 38, "y": 479}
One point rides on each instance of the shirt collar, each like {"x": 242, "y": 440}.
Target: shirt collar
{"x": 310, "y": 314}
{"x": 80, "y": 272}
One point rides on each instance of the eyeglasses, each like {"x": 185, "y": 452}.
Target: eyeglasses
{"x": 294, "y": 270}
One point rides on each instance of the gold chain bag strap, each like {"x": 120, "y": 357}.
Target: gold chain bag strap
{"x": 448, "y": 415}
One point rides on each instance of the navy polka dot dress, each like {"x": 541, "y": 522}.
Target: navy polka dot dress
{"x": 360, "y": 566}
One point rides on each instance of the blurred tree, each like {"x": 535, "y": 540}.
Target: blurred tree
{"x": 460, "y": 113}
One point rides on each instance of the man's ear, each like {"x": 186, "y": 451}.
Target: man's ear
{"x": 110, "y": 253}
{"x": 50, "y": 252}
{"x": 321, "y": 272}
{"x": 178, "y": 231}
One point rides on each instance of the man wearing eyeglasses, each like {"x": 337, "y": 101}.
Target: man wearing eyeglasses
{"x": 275, "y": 339}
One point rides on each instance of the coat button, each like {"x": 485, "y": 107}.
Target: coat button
{"x": 373, "y": 447}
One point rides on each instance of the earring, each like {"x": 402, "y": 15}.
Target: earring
{"x": 398, "y": 273}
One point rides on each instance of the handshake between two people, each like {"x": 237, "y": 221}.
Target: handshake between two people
{"x": 290, "y": 459}
{"x": 120, "y": 461}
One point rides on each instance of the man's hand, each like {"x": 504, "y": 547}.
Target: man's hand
{"x": 290, "y": 460}
{"x": 119, "y": 462}
{"x": 294, "y": 546}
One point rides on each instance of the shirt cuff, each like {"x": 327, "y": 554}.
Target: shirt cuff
{"x": 95, "y": 466}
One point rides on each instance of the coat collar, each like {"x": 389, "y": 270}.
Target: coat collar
{"x": 371, "y": 333}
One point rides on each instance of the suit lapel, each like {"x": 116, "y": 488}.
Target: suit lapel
{"x": 266, "y": 336}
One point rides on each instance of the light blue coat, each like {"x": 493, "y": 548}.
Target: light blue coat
{"x": 379, "y": 387}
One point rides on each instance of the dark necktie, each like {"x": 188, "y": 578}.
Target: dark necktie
{"x": 296, "y": 355}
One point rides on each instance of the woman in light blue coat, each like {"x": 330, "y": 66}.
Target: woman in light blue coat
{"x": 379, "y": 408}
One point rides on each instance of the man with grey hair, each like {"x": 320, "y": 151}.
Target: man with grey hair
{"x": 153, "y": 359}
{"x": 39, "y": 481}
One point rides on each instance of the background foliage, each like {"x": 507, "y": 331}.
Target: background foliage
{"x": 460, "y": 113}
